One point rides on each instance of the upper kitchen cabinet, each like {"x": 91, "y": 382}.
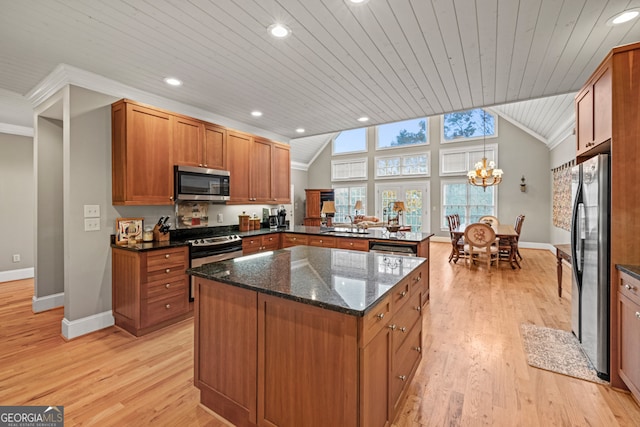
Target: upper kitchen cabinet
{"x": 261, "y": 171}
{"x": 281, "y": 173}
{"x": 594, "y": 112}
{"x": 141, "y": 154}
{"x": 196, "y": 143}
{"x": 238, "y": 161}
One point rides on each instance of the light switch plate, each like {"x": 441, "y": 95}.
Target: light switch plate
{"x": 92, "y": 211}
{"x": 91, "y": 224}
{"x": 219, "y": 217}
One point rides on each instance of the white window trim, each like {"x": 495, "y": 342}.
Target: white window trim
{"x": 352, "y": 184}
{"x": 401, "y": 147}
{"x": 459, "y": 180}
{"x": 466, "y": 150}
{"x": 426, "y": 202}
{"x": 465, "y": 139}
{"x": 402, "y": 157}
{"x": 363, "y": 160}
{"x": 366, "y": 144}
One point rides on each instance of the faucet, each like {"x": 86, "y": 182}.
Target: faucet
{"x": 350, "y": 220}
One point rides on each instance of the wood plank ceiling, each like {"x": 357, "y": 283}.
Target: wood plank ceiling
{"x": 386, "y": 59}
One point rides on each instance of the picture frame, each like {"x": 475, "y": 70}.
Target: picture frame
{"x": 128, "y": 228}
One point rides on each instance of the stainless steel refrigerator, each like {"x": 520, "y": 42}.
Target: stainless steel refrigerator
{"x": 590, "y": 258}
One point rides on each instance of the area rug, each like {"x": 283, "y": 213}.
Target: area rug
{"x": 557, "y": 351}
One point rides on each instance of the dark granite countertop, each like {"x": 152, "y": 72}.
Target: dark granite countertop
{"x": 350, "y": 282}
{"x": 149, "y": 246}
{"x": 631, "y": 270}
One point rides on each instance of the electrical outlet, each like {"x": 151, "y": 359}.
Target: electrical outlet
{"x": 92, "y": 211}
{"x": 16, "y": 257}
{"x": 219, "y": 217}
{"x": 91, "y": 224}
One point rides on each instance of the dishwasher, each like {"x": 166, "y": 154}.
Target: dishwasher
{"x": 394, "y": 248}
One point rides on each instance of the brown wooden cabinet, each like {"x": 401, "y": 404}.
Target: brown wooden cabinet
{"x": 141, "y": 153}
{"x": 629, "y": 324}
{"x": 323, "y": 241}
{"x": 290, "y": 239}
{"x": 261, "y": 171}
{"x": 238, "y": 161}
{"x": 215, "y": 147}
{"x": 149, "y": 288}
{"x": 261, "y": 243}
{"x": 197, "y": 143}
{"x": 314, "y": 198}
{"x": 281, "y": 173}
{"x": 353, "y": 244}
{"x": 594, "y": 111}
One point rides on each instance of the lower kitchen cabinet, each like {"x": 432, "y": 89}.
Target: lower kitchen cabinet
{"x": 260, "y": 243}
{"x": 290, "y": 239}
{"x": 629, "y": 324}
{"x": 149, "y": 288}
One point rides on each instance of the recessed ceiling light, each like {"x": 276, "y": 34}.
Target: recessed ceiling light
{"x": 625, "y": 16}
{"x": 279, "y": 31}
{"x": 172, "y": 81}
{"x": 300, "y": 130}
{"x": 256, "y": 113}
{"x": 357, "y": 1}
{"x": 363, "y": 119}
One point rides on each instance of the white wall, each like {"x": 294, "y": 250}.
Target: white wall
{"x": 17, "y": 201}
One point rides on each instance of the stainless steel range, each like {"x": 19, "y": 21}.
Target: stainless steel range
{"x": 205, "y": 248}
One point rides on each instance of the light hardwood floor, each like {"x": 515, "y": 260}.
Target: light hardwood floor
{"x": 473, "y": 372}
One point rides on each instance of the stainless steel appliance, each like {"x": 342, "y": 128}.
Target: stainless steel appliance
{"x": 282, "y": 214}
{"x": 212, "y": 249}
{"x": 193, "y": 183}
{"x": 394, "y": 248}
{"x": 590, "y": 260}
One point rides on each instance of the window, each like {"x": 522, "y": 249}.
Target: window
{"x": 414, "y": 194}
{"x": 352, "y": 169}
{"x": 350, "y": 141}
{"x": 402, "y": 166}
{"x": 459, "y": 161}
{"x": 345, "y": 200}
{"x": 402, "y": 134}
{"x": 466, "y": 125}
{"x": 468, "y": 201}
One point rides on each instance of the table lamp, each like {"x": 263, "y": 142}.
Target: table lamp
{"x": 358, "y": 206}
{"x": 399, "y": 207}
{"x": 328, "y": 209}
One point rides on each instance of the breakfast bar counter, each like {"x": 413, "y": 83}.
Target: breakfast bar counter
{"x": 309, "y": 335}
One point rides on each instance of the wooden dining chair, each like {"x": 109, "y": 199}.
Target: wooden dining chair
{"x": 518, "y": 228}
{"x": 457, "y": 241}
{"x": 489, "y": 219}
{"x": 481, "y": 241}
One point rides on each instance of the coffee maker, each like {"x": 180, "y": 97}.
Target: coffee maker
{"x": 282, "y": 213}
{"x": 273, "y": 219}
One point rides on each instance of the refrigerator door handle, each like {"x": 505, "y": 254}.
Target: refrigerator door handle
{"x": 580, "y": 236}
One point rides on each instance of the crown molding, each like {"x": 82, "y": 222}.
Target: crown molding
{"x": 16, "y": 130}
{"x": 64, "y": 74}
{"x": 299, "y": 166}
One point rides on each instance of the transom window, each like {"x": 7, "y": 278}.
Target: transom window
{"x": 406, "y": 133}
{"x": 466, "y": 125}
{"x": 350, "y": 141}
{"x": 402, "y": 166}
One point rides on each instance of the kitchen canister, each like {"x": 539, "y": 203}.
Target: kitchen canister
{"x": 243, "y": 221}
{"x": 255, "y": 223}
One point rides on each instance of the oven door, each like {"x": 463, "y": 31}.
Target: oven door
{"x": 197, "y": 262}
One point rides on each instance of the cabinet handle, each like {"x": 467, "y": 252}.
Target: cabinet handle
{"x": 167, "y": 285}
{"x": 168, "y": 306}
{"x": 419, "y": 277}
{"x": 418, "y": 349}
{"x": 403, "y": 329}
{"x": 403, "y": 293}
{"x": 320, "y": 240}
{"x": 350, "y": 243}
{"x": 638, "y": 314}
{"x": 200, "y": 164}
{"x": 167, "y": 255}
{"x": 168, "y": 270}
{"x": 402, "y": 377}
{"x": 206, "y": 165}
{"x": 392, "y": 327}
{"x": 418, "y": 309}
{"x": 294, "y": 239}
{"x": 380, "y": 316}
{"x": 170, "y": 197}
{"x": 629, "y": 287}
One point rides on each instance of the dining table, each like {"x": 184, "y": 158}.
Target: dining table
{"x": 503, "y": 231}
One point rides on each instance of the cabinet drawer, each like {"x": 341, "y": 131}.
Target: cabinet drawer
{"x": 404, "y": 362}
{"x": 289, "y": 240}
{"x": 166, "y": 273}
{"x": 161, "y": 309}
{"x": 401, "y": 294}
{"x": 171, "y": 258}
{"x": 629, "y": 287}
{"x": 164, "y": 288}
{"x": 325, "y": 242}
{"x": 355, "y": 244}
{"x": 270, "y": 242}
{"x": 375, "y": 320}
{"x": 405, "y": 320}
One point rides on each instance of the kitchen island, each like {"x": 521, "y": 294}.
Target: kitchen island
{"x": 309, "y": 336}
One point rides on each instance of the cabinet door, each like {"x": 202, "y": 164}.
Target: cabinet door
{"x": 261, "y": 182}
{"x": 251, "y": 245}
{"x": 375, "y": 370}
{"x": 187, "y": 141}
{"x": 215, "y": 147}
{"x": 629, "y": 343}
{"x": 584, "y": 118}
{"x": 238, "y": 161}
{"x": 602, "y": 101}
{"x": 149, "y": 167}
{"x": 281, "y": 174}
{"x": 271, "y": 242}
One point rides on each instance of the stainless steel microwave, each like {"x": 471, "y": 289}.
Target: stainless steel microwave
{"x": 193, "y": 183}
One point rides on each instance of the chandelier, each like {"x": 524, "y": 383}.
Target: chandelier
{"x": 483, "y": 174}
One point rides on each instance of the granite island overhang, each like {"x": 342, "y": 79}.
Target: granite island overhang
{"x": 309, "y": 335}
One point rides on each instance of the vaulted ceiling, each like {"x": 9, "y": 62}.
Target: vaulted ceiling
{"x": 386, "y": 59}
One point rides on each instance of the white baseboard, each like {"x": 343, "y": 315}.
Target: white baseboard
{"x": 40, "y": 304}
{"x": 23, "y": 273}
{"x": 75, "y": 328}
